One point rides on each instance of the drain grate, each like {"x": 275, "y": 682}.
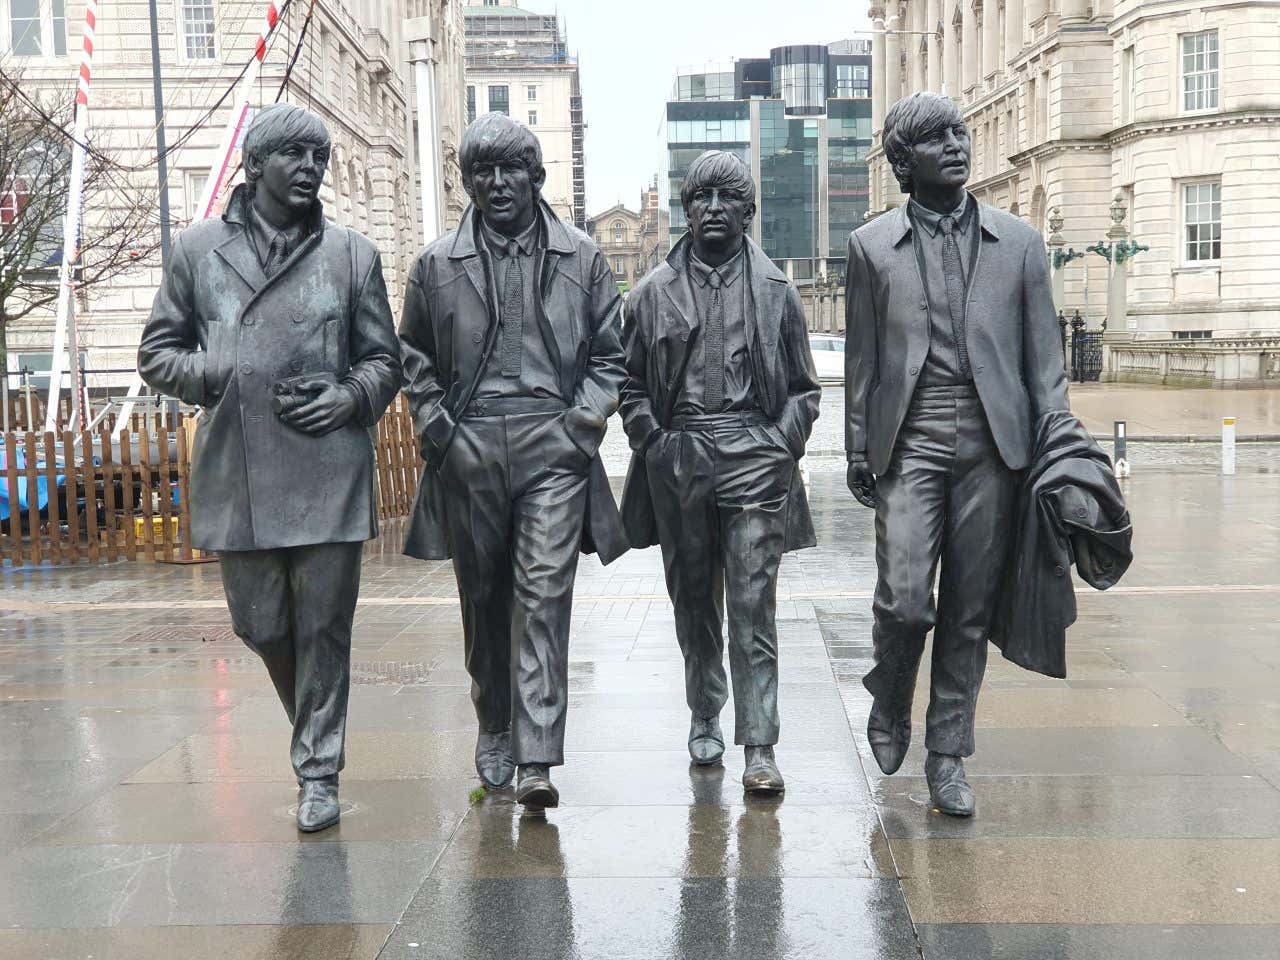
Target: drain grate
{"x": 397, "y": 673}
{"x": 184, "y": 633}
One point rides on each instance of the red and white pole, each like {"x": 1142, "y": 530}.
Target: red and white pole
{"x": 71, "y": 222}
{"x": 220, "y": 172}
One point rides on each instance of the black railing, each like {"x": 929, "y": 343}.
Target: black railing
{"x": 1081, "y": 348}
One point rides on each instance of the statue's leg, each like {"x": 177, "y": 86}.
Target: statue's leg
{"x": 324, "y": 583}
{"x": 682, "y": 483}
{"x": 753, "y": 478}
{"x": 548, "y": 513}
{"x": 981, "y": 502}
{"x": 256, "y": 584}
{"x": 909, "y": 523}
{"x": 478, "y": 500}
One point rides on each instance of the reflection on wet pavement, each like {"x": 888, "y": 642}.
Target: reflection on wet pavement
{"x": 1131, "y": 810}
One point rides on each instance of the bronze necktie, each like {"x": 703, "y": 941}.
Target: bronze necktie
{"x": 512, "y": 312}
{"x": 713, "y": 397}
{"x": 954, "y": 276}
{"x": 277, "y": 253}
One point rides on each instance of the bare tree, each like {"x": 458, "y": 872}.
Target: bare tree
{"x": 120, "y": 226}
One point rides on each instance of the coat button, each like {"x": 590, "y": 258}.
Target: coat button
{"x": 298, "y": 318}
{"x": 979, "y": 368}
{"x": 477, "y": 338}
{"x": 1059, "y": 570}
{"x": 923, "y": 305}
{"x": 295, "y": 366}
{"x": 246, "y": 369}
{"x": 248, "y": 321}
{"x": 1081, "y": 512}
{"x": 913, "y": 371}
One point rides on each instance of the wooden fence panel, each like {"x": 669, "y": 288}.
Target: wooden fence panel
{"x": 126, "y": 490}
{"x": 111, "y": 526}
{"x": 90, "y": 495}
{"x": 184, "y": 490}
{"x": 144, "y": 493}
{"x": 33, "y": 500}
{"x": 51, "y": 503}
{"x": 70, "y": 475}
{"x": 165, "y": 478}
{"x": 14, "y": 544}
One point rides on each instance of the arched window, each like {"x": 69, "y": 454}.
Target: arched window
{"x": 619, "y": 232}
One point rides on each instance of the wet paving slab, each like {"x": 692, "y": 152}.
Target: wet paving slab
{"x": 1130, "y": 810}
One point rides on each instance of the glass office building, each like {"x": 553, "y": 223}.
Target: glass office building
{"x": 801, "y": 119}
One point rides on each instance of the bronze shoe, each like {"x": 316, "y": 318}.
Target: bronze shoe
{"x": 494, "y": 762}
{"x": 889, "y": 736}
{"x": 318, "y": 809}
{"x": 706, "y": 742}
{"x": 948, "y": 789}
{"x": 762, "y": 776}
{"x": 535, "y": 789}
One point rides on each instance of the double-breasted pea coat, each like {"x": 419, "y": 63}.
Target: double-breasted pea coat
{"x": 448, "y": 332}
{"x": 222, "y": 334}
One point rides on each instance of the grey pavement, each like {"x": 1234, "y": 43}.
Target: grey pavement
{"x": 1129, "y": 811}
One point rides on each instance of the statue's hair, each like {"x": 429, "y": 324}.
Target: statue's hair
{"x": 497, "y": 139}
{"x": 717, "y": 168}
{"x": 279, "y": 124}
{"x": 910, "y": 121}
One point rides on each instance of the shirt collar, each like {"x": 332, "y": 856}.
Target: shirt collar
{"x": 498, "y": 244}
{"x": 729, "y": 271}
{"x": 263, "y": 233}
{"x": 932, "y": 221}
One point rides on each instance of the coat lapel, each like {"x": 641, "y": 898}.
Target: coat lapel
{"x": 557, "y": 331}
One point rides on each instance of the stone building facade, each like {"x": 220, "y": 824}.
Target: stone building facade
{"x": 616, "y": 232}
{"x": 352, "y": 70}
{"x": 1172, "y": 107}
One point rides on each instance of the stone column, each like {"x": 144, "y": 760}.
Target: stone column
{"x": 933, "y": 70}
{"x": 992, "y": 43}
{"x": 893, "y": 58}
{"x": 970, "y": 47}
{"x": 919, "y": 61}
{"x": 1033, "y": 10}
{"x": 950, "y": 59}
{"x": 876, "y": 15}
{"x": 1013, "y": 11}
{"x": 1075, "y": 10}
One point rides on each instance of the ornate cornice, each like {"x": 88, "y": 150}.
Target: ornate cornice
{"x": 1203, "y": 121}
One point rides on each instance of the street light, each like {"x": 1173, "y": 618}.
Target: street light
{"x": 1122, "y": 249}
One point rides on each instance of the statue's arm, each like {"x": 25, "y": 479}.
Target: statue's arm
{"x": 600, "y": 378}
{"x": 638, "y": 417}
{"x": 170, "y": 357}
{"x": 1043, "y": 370}
{"x": 423, "y": 374}
{"x": 860, "y": 351}
{"x": 803, "y": 390}
{"x": 374, "y": 350}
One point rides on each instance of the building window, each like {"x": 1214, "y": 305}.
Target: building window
{"x": 499, "y": 100}
{"x": 1127, "y": 82}
{"x": 198, "y": 29}
{"x": 853, "y": 80}
{"x": 1200, "y": 70}
{"x": 471, "y": 104}
{"x": 1202, "y": 221}
{"x": 59, "y": 8}
{"x": 619, "y": 232}
{"x": 533, "y": 118}
{"x": 26, "y": 37}
{"x": 1193, "y": 334}
{"x": 196, "y": 182}
{"x": 620, "y": 266}
{"x": 530, "y": 92}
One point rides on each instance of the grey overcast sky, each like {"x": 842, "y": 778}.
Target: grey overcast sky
{"x": 629, "y": 51}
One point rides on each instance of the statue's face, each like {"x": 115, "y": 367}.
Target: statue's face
{"x": 291, "y": 175}
{"x": 503, "y": 192}
{"x": 942, "y": 159}
{"x": 718, "y": 216}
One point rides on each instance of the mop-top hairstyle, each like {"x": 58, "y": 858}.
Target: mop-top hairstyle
{"x": 716, "y": 168}
{"x": 497, "y": 139}
{"x": 277, "y": 125}
{"x": 910, "y": 121}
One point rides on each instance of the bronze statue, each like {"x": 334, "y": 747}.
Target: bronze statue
{"x": 952, "y": 355}
{"x": 512, "y": 365}
{"x": 720, "y": 401}
{"x": 276, "y": 322}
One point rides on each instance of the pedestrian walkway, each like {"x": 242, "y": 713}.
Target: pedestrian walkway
{"x": 1130, "y": 811}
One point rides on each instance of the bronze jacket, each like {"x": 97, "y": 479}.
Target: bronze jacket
{"x": 221, "y": 334}
{"x": 1011, "y": 330}
{"x": 661, "y": 325}
{"x": 449, "y": 329}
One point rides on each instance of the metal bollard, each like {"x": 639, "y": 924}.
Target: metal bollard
{"x": 1120, "y": 455}
{"x": 1228, "y": 446}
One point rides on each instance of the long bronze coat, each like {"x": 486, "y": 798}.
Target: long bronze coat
{"x": 222, "y": 333}
{"x": 448, "y": 332}
{"x": 662, "y": 324}
{"x": 1010, "y": 327}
